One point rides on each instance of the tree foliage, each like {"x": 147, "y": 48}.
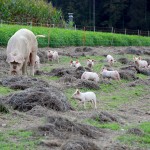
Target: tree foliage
{"x": 134, "y": 14}
{"x": 37, "y": 11}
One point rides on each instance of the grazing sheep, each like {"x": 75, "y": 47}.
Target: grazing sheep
{"x": 75, "y": 64}
{"x": 90, "y": 63}
{"x": 21, "y": 50}
{"x": 110, "y": 74}
{"x": 85, "y": 97}
{"x": 110, "y": 60}
{"x": 52, "y": 56}
{"x": 90, "y": 76}
{"x": 140, "y": 63}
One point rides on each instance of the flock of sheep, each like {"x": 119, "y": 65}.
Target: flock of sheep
{"x": 22, "y": 52}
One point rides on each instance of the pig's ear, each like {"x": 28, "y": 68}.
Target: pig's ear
{"x": 10, "y": 58}
{"x": 19, "y": 59}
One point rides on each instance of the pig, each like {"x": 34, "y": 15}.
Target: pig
{"x": 21, "y": 49}
{"x": 90, "y": 76}
{"x": 53, "y": 55}
{"x": 90, "y": 63}
{"x": 85, "y": 97}
{"x": 110, "y": 74}
{"x": 110, "y": 60}
{"x": 140, "y": 63}
{"x": 37, "y": 62}
{"x": 75, "y": 64}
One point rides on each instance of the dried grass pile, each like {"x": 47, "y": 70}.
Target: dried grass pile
{"x": 50, "y": 97}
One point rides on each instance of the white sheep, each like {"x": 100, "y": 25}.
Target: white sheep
{"x": 140, "y": 63}
{"x": 85, "y": 97}
{"x": 90, "y": 76}
{"x": 110, "y": 74}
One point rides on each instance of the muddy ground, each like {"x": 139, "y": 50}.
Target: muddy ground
{"x": 59, "y": 124}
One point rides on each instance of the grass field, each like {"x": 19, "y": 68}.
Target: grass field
{"x": 63, "y": 37}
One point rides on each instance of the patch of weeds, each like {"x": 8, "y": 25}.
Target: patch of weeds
{"x": 18, "y": 140}
{"x": 142, "y": 76}
{"x": 140, "y": 141}
{"x": 5, "y": 90}
{"x": 112, "y": 126}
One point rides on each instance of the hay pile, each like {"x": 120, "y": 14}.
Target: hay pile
{"x": 64, "y": 128}
{"x": 50, "y": 97}
{"x": 22, "y": 82}
{"x": 79, "y": 144}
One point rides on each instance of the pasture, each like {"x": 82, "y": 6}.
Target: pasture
{"x": 121, "y": 120}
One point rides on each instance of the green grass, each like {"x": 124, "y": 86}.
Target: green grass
{"x": 5, "y": 90}
{"x": 112, "y": 126}
{"x": 140, "y": 141}
{"x": 63, "y": 37}
{"x": 12, "y": 140}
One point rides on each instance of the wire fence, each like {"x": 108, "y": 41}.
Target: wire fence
{"x": 79, "y": 27}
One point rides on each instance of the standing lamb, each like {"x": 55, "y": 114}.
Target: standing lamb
{"x": 110, "y": 74}
{"x": 85, "y": 97}
{"x": 90, "y": 76}
{"x": 21, "y": 50}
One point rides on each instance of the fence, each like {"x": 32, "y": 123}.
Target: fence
{"x": 86, "y": 28}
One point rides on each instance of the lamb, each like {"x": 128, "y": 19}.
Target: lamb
{"x": 90, "y": 63}
{"x": 53, "y": 55}
{"x": 85, "y": 97}
{"x": 90, "y": 76}
{"x": 75, "y": 64}
{"x": 140, "y": 63}
{"x": 110, "y": 60}
{"x": 21, "y": 49}
{"x": 110, "y": 74}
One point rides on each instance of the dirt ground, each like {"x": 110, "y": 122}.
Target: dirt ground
{"x": 130, "y": 113}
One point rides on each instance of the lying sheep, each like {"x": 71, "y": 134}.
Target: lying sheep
{"x": 110, "y": 60}
{"x": 90, "y": 63}
{"x": 90, "y": 76}
{"x": 52, "y": 56}
{"x": 75, "y": 64}
{"x": 85, "y": 97}
{"x": 110, "y": 74}
{"x": 21, "y": 49}
{"x": 140, "y": 63}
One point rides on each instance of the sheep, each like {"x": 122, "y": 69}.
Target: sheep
{"x": 110, "y": 60}
{"x": 85, "y": 97}
{"x": 21, "y": 49}
{"x": 140, "y": 63}
{"x": 90, "y": 76}
{"x": 110, "y": 74}
{"x": 75, "y": 64}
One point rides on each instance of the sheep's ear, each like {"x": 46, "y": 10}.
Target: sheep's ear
{"x": 93, "y": 60}
{"x": 19, "y": 59}
{"x": 78, "y": 92}
{"x": 71, "y": 61}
